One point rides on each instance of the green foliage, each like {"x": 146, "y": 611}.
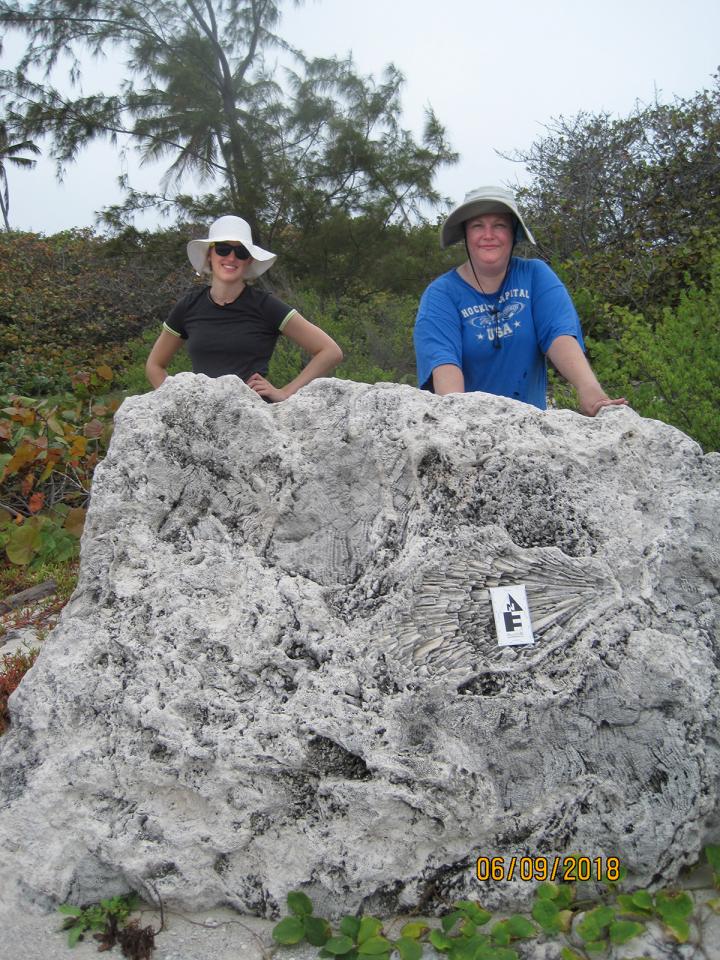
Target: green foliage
{"x": 13, "y": 667}
{"x": 302, "y": 925}
{"x": 113, "y": 913}
{"x": 71, "y": 301}
{"x": 712, "y": 855}
{"x": 48, "y": 451}
{"x": 629, "y": 202}
{"x": 583, "y": 928}
{"x": 460, "y": 938}
{"x": 374, "y": 332}
{"x": 132, "y": 378}
{"x": 671, "y": 371}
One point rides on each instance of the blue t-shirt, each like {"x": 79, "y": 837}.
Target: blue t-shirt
{"x": 458, "y": 325}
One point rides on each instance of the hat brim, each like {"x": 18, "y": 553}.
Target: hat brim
{"x": 453, "y": 230}
{"x": 262, "y": 260}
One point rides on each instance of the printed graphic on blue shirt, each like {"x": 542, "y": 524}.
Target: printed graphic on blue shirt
{"x": 491, "y": 322}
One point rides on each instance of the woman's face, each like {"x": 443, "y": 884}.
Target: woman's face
{"x": 490, "y": 239}
{"x": 224, "y": 262}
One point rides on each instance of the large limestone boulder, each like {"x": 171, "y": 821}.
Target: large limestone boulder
{"x": 280, "y": 667}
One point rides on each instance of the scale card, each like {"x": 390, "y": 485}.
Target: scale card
{"x": 512, "y": 615}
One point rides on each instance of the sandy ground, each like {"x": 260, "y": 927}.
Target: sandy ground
{"x": 216, "y": 935}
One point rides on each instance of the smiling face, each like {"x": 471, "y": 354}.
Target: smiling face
{"x": 227, "y": 268}
{"x": 490, "y": 240}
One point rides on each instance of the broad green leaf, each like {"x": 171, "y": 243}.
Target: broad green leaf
{"x": 317, "y": 930}
{"x": 566, "y": 895}
{"x": 567, "y": 954}
{"x": 369, "y": 927}
{"x": 623, "y": 930}
{"x": 414, "y": 930}
{"x": 290, "y": 930}
{"x": 643, "y": 899}
{"x": 441, "y": 941}
{"x": 679, "y": 928}
{"x": 640, "y": 902}
{"x": 350, "y": 926}
{"x": 299, "y": 903}
{"x": 500, "y": 933}
{"x": 712, "y": 853}
{"x": 23, "y": 543}
{"x": 338, "y": 946}
{"x": 449, "y": 921}
{"x": 594, "y": 923}
{"x": 547, "y": 915}
{"x": 520, "y": 927}
{"x": 547, "y": 891}
{"x": 474, "y": 912}
{"x": 496, "y": 953}
{"x": 409, "y": 949}
{"x": 673, "y": 906}
{"x": 469, "y": 949}
{"x": 374, "y": 947}
{"x": 596, "y": 946}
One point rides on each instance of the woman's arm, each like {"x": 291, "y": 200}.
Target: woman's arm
{"x": 447, "y": 378}
{"x": 567, "y": 357}
{"x": 325, "y": 356}
{"x": 164, "y": 349}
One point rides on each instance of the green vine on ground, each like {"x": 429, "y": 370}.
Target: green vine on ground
{"x": 584, "y": 928}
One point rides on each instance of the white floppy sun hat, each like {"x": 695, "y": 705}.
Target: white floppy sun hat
{"x": 477, "y": 202}
{"x": 230, "y": 229}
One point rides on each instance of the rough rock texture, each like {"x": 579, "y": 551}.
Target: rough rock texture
{"x": 279, "y": 669}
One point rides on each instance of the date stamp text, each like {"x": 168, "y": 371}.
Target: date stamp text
{"x": 553, "y": 869}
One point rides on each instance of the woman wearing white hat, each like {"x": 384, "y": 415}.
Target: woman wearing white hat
{"x": 490, "y": 324}
{"x": 232, "y": 327}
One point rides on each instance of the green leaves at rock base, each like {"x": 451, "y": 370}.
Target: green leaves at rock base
{"x": 712, "y": 855}
{"x": 112, "y": 913}
{"x": 302, "y": 925}
{"x": 466, "y": 934}
{"x": 673, "y": 909}
{"x": 288, "y": 931}
{"x": 299, "y": 903}
{"x": 623, "y": 930}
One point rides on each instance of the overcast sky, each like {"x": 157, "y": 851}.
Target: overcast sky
{"x": 495, "y": 74}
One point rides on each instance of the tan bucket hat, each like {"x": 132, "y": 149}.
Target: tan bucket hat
{"x": 478, "y": 201}
{"x": 230, "y": 229}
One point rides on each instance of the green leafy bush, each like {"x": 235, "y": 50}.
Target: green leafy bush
{"x": 74, "y": 299}
{"x": 48, "y": 451}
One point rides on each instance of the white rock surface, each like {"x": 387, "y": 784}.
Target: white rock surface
{"x": 279, "y": 669}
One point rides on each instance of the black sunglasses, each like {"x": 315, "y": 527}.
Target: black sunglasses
{"x": 225, "y": 249}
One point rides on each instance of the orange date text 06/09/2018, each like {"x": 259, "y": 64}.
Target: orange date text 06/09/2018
{"x": 560, "y": 869}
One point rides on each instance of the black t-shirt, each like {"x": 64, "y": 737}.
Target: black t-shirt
{"x": 237, "y": 338}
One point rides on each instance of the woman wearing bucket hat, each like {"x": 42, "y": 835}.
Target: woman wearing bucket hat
{"x": 490, "y": 324}
{"x": 232, "y": 327}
